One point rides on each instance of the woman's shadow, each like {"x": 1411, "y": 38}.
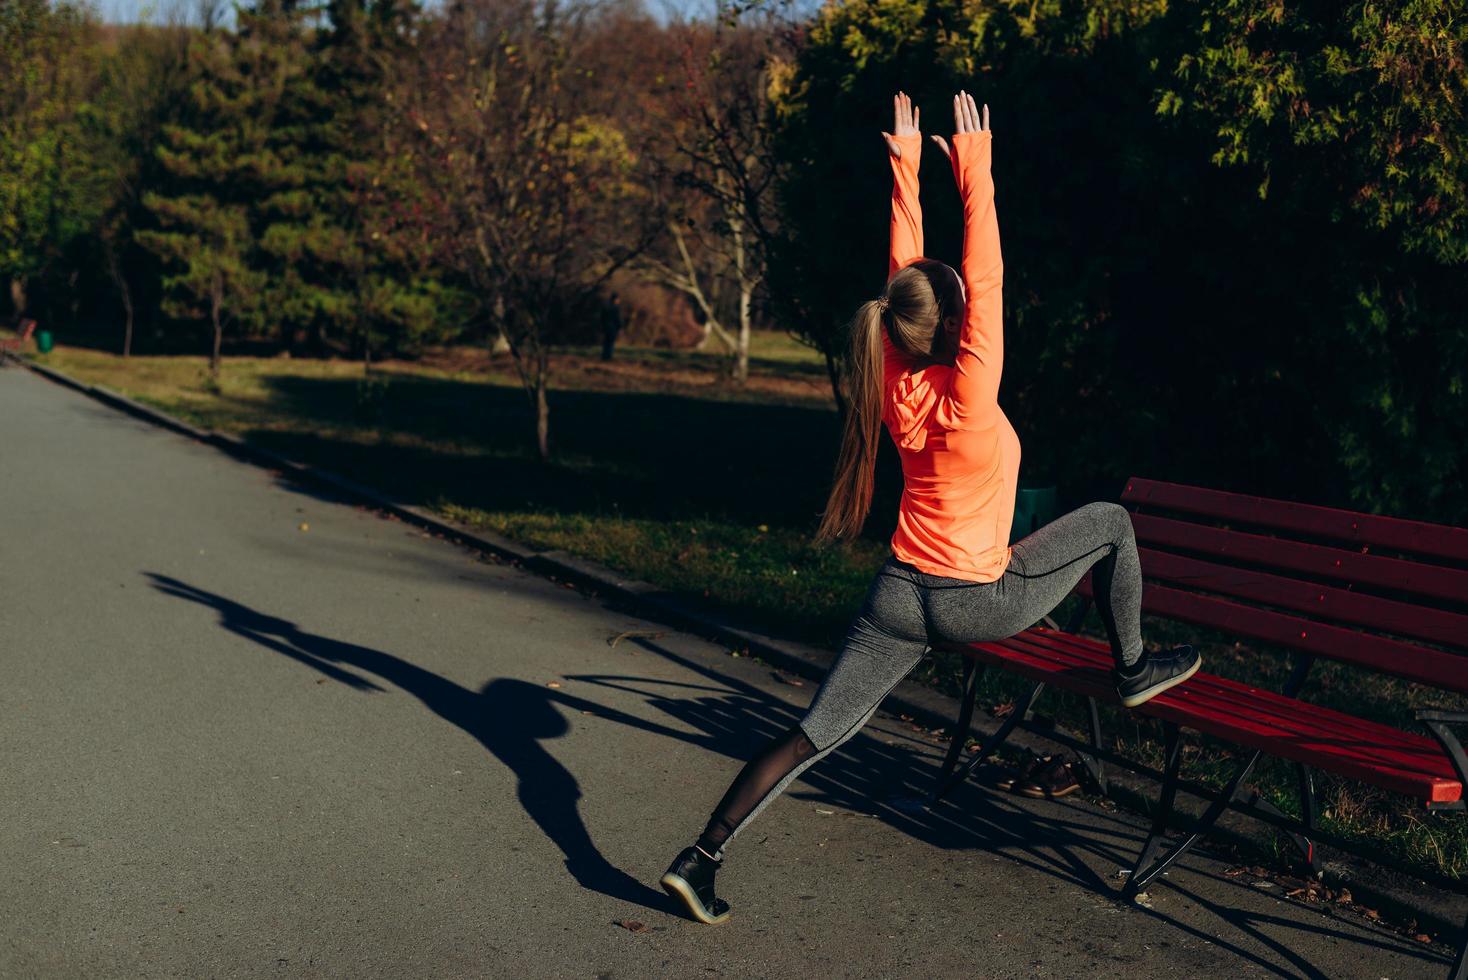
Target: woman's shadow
{"x": 510, "y": 718}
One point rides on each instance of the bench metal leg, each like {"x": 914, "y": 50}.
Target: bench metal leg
{"x": 1305, "y": 845}
{"x": 1092, "y": 763}
{"x": 1309, "y": 811}
{"x": 1172, "y": 751}
{"x": 1145, "y": 874}
{"x": 1021, "y": 708}
{"x": 1437, "y": 723}
{"x": 971, "y": 673}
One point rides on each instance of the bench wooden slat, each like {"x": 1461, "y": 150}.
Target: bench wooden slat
{"x": 1283, "y": 709}
{"x": 1287, "y": 728}
{"x": 1436, "y": 668}
{"x": 1323, "y": 601}
{"x": 1333, "y": 563}
{"x": 1397, "y": 534}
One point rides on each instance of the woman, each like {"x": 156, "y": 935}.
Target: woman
{"x": 926, "y": 357}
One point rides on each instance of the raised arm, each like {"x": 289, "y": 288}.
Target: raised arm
{"x": 980, "y": 359}
{"x": 906, "y": 237}
{"x": 904, "y": 152}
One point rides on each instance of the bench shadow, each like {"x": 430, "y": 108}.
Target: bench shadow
{"x": 877, "y": 774}
{"x": 886, "y": 776}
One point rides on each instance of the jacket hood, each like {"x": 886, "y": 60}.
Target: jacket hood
{"x": 910, "y": 406}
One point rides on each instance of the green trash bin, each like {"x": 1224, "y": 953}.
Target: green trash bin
{"x": 1034, "y": 507}
{"x": 43, "y": 341}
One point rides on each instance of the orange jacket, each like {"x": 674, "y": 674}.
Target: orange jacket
{"x": 960, "y": 455}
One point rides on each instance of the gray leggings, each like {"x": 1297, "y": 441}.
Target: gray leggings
{"x": 906, "y": 611}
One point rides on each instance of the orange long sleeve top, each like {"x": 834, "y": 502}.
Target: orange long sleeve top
{"x": 960, "y": 455}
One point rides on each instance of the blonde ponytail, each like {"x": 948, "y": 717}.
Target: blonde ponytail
{"x": 856, "y": 463}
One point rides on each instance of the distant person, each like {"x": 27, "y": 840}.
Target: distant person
{"x": 611, "y": 325}
{"x": 926, "y": 357}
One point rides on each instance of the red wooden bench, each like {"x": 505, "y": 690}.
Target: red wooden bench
{"x": 1378, "y": 593}
{"x": 27, "y": 327}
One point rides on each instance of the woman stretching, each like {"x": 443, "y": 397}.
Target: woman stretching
{"x": 926, "y": 357}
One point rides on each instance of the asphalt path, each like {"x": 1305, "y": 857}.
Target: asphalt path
{"x": 247, "y": 730}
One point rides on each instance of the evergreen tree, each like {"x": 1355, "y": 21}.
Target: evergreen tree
{"x": 379, "y": 284}
{"x": 228, "y": 177}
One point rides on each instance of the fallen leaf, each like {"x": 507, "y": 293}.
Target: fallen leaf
{"x": 1422, "y": 937}
{"x": 631, "y": 925}
{"x": 553, "y": 684}
{"x": 1343, "y": 896}
{"x": 616, "y": 638}
{"x": 303, "y": 526}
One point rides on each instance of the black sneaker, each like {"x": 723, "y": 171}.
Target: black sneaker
{"x": 1159, "y": 672}
{"x": 691, "y": 878}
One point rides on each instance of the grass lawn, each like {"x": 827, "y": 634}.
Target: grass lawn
{"x": 669, "y": 472}
{"x": 662, "y": 468}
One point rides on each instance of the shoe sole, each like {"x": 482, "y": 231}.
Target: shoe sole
{"x": 1143, "y": 697}
{"x": 678, "y": 887}
{"x": 1038, "y": 793}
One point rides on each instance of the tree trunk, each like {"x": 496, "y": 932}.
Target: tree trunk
{"x": 746, "y": 289}
{"x": 542, "y": 409}
{"x": 833, "y": 373}
{"x": 114, "y": 269}
{"x": 741, "y": 365}
{"x": 127, "y": 331}
{"x": 688, "y": 283}
{"x": 216, "y": 301}
{"x": 501, "y": 343}
{"x": 18, "y": 297}
{"x": 714, "y": 331}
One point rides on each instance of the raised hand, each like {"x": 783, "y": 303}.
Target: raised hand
{"x": 904, "y": 123}
{"x": 966, "y": 119}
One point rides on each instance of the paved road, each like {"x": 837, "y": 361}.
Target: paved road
{"x": 234, "y": 747}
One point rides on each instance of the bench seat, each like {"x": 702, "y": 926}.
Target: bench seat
{"x": 1285, "y": 727}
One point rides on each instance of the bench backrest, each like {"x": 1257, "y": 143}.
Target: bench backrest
{"x": 1383, "y": 593}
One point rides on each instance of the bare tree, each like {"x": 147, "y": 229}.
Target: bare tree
{"x": 535, "y": 200}
{"x": 692, "y": 269}
{"x": 720, "y": 120}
